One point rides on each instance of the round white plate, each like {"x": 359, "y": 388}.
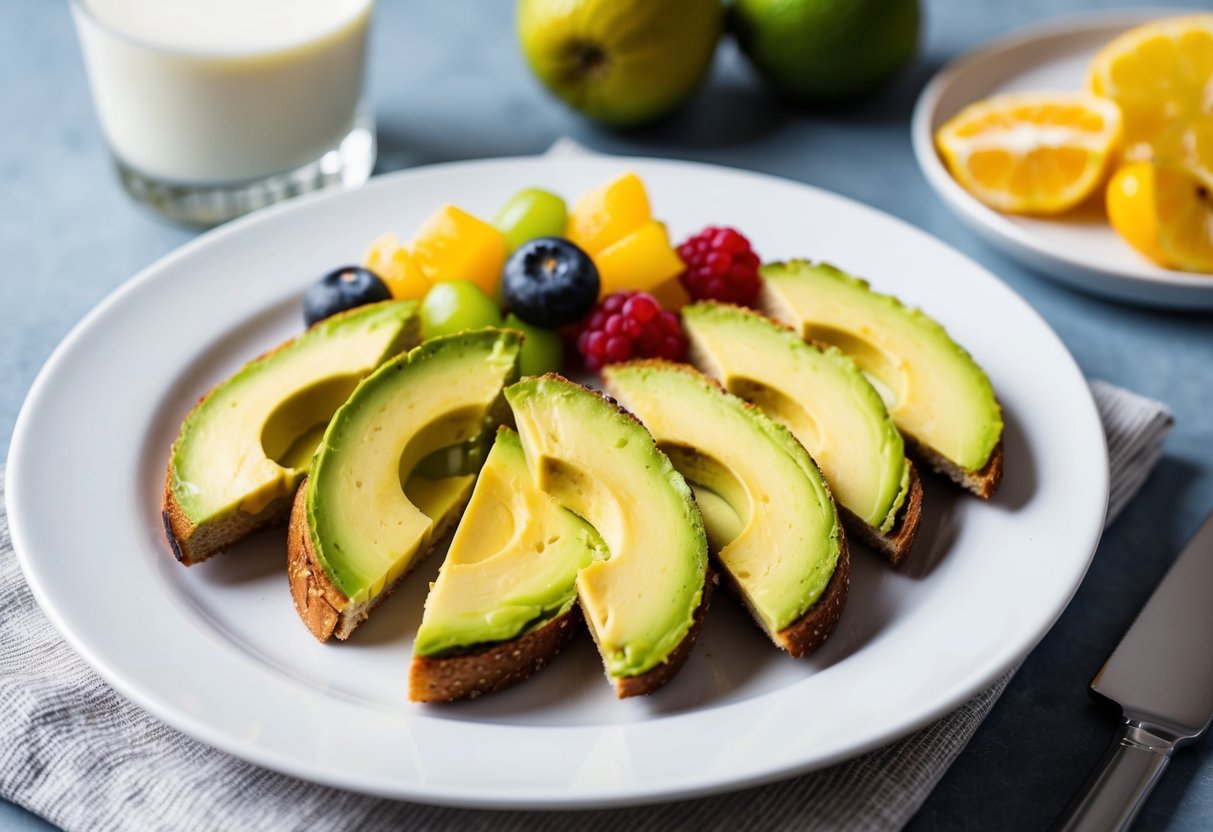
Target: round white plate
{"x": 217, "y": 650}
{"x": 1080, "y": 248}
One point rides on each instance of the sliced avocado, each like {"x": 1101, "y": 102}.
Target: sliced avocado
{"x": 363, "y": 528}
{"x": 789, "y": 545}
{"x": 937, "y": 394}
{"x": 512, "y": 565}
{"x": 820, "y": 396}
{"x": 642, "y": 601}
{"x": 243, "y": 450}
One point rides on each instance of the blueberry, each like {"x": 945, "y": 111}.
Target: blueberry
{"x": 549, "y": 282}
{"x": 340, "y": 290}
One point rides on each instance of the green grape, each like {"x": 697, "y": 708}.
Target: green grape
{"x": 542, "y": 349}
{"x": 529, "y": 214}
{"x": 457, "y": 305}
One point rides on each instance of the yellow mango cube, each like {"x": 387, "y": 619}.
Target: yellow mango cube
{"x": 396, "y": 267}
{"x": 642, "y": 260}
{"x": 454, "y": 245}
{"x": 608, "y": 213}
{"x": 671, "y": 294}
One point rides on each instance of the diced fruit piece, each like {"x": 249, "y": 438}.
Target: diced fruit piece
{"x": 720, "y": 265}
{"x": 645, "y": 601}
{"x": 244, "y": 448}
{"x": 821, "y": 397}
{"x": 542, "y": 349}
{"x": 627, "y": 325}
{"x": 357, "y": 526}
{"x": 390, "y": 260}
{"x": 608, "y": 213}
{"x": 340, "y": 290}
{"x": 1130, "y": 205}
{"x": 641, "y": 260}
{"x": 788, "y": 560}
{"x": 529, "y": 214}
{"x": 937, "y": 395}
{"x": 1184, "y": 205}
{"x": 549, "y": 282}
{"x": 1032, "y": 153}
{"x": 454, "y": 245}
{"x": 671, "y": 294}
{"x": 507, "y": 588}
{"x": 1159, "y": 74}
{"x": 455, "y": 306}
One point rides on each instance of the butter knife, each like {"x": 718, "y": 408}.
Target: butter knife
{"x": 1161, "y": 675}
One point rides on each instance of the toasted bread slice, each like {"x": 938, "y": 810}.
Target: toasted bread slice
{"x": 982, "y": 483}
{"x": 499, "y": 666}
{"x": 323, "y": 607}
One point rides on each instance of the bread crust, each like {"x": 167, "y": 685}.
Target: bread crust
{"x": 982, "y": 483}
{"x": 494, "y": 668}
{"x": 810, "y": 631}
{"x": 894, "y": 544}
{"x": 646, "y": 683}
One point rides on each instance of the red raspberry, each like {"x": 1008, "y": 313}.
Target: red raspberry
{"x": 627, "y": 325}
{"x": 720, "y": 266}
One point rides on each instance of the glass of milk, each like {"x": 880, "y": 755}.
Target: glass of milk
{"x": 213, "y": 108}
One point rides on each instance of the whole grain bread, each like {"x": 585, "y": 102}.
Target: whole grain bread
{"x": 493, "y": 668}
{"x": 983, "y": 483}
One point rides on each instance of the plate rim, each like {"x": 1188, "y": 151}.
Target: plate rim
{"x": 633, "y": 794}
{"x": 1158, "y": 288}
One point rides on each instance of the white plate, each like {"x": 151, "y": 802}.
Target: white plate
{"x": 218, "y": 652}
{"x": 1079, "y": 249}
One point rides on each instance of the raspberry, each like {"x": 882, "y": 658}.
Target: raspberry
{"x": 626, "y": 325}
{"x": 720, "y": 266}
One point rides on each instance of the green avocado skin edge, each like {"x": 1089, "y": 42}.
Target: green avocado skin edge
{"x": 827, "y": 304}
{"x": 542, "y": 407}
{"x": 488, "y": 358}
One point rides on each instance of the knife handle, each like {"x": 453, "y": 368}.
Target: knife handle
{"x": 1120, "y": 784}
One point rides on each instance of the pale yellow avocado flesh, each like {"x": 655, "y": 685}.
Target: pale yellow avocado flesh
{"x": 251, "y": 441}
{"x": 820, "y": 396}
{"x": 600, "y": 463}
{"x": 788, "y": 545}
{"x": 513, "y": 563}
{"x": 937, "y": 394}
{"x": 365, "y": 530}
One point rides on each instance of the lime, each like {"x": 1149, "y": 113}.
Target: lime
{"x": 621, "y": 62}
{"x": 815, "y": 51}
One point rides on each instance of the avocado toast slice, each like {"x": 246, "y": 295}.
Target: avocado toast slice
{"x": 938, "y": 396}
{"x": 786, "y": 555}
{"x": 644, "y": 603}
{"x": 244, "y": 448}
{"x": 828, "y": 405}
{"x": 504, "y": 602}
{"x": 364, "y": 517}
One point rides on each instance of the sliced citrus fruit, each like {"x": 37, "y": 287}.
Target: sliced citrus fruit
{"x": 1032, "y": 153}
{"x": 1130, "y": 205}
{"x": 1184, "y": 205}
{"x": 1159, "y": 74}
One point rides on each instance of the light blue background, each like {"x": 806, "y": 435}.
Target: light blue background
{"x": 450, "y": 84}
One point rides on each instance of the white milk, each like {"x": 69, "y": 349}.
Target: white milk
{"x": 211, "y": 91}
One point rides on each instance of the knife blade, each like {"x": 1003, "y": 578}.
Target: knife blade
{"x": 1161, "y": 675}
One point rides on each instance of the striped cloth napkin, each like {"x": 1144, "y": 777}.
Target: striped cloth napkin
{"x": 75, "y": 752}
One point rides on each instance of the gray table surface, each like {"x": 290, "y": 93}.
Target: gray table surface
{"x": 452, "y": 85}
